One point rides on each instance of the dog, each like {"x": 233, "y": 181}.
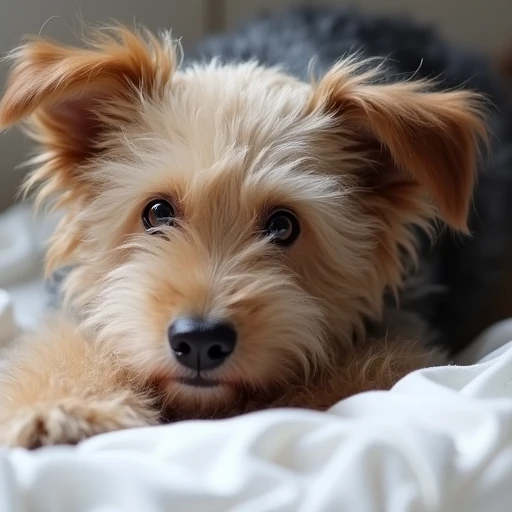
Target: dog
{"x": 234, "y": 232}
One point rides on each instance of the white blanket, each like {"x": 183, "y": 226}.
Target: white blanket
{"x": 441, "y": 440}
{"x": 22, "y": 240}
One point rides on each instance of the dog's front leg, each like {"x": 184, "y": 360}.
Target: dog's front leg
{"x": 59, "y": 388}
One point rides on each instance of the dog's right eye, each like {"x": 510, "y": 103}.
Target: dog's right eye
{"x": 157, "y": 213}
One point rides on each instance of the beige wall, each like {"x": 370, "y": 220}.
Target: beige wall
{"x": 484, "y": 24}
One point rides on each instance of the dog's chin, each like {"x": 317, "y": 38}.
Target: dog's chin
{"x": 195, "y": 388}
{"x": 200, "y": 382}
{"x": 200, "y": 397}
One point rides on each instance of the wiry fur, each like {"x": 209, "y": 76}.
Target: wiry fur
{"x": 359, "y": 162}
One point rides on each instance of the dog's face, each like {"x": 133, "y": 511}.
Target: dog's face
{"x": 231, "y": 227}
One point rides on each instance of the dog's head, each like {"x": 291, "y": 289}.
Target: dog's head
{"x": 232, "y": 228}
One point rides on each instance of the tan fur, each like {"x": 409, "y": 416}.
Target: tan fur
{"x": 118, "y": 123}
{"x": 61, "y": 388}
{"x": 373, "y": 365}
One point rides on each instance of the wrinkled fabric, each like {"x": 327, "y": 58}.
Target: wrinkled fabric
{"x": 22, "y": 241}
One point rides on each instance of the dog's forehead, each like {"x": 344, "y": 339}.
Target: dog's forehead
{"x": 243, "y": 93}
{"x": 225, "y": 135}
{"x": 213, "y": 111}
{"x": 239, "y": 127}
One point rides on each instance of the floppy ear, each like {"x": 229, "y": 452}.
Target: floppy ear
{"x": 72, "y": 96}
{"x": 415, "y": 134}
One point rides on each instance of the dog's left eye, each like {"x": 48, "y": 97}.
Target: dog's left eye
{"x": 282, "y": 227}
{"x": 158, "y": 213}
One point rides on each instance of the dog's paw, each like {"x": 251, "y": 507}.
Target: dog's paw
{"x": 71, "y": 420}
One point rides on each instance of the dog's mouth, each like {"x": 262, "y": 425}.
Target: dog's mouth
{"x": 199, "y": 382}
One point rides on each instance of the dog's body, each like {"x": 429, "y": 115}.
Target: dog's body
{"x": 234, "y": 232}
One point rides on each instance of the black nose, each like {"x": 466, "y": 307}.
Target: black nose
{"x": 201, "y": 344}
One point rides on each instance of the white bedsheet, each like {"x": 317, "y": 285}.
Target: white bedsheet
{"x": 441, "y": 440}
{"x": 22, "y": 240}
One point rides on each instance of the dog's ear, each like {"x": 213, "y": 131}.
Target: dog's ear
{"x": 415, "y": 135}
{"x": 71, "y": 96}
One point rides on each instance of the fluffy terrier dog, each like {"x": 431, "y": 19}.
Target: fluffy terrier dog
{"x": 232, "y": 231}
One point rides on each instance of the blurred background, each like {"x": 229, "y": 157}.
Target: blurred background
{"x": 482, "y": 24}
